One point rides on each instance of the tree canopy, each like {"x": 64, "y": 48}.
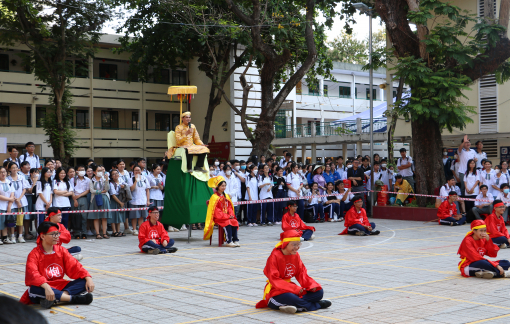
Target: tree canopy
{"x": 349, "y": 49}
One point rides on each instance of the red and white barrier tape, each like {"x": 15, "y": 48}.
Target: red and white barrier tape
{"x": 433, "y": 196}
{"x": 79, "y": 211}
{"x": 248, "y": 202}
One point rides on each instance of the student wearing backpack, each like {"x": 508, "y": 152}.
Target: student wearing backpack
{"x": 30, "y": 156}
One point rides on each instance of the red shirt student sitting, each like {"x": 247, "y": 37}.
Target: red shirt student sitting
{"x": 55, "y": 216}
{"x": 280, "y": 292}
{"x": 356, "y": 221}
{"x": 292, "y": 221}
{"x": 496, "y": 225}
{"x": 152, "y": 236}
{"x": 447, "y": 212}
{"x": 45, "y": 269}
{"x": 472, "y": 250}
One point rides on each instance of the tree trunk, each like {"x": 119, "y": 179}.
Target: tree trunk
{"x": 263, "y": 135}
{"x": 214, "y": 101}
{"x": 427, "y": 150}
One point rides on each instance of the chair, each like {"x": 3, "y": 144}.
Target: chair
{"x": 221, "y": 234}
{"x": 309, "y": 207}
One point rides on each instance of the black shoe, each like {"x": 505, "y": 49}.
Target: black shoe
{"x": 324, "y": 303}
{"x": 83, "y": 299}
{"x": 190, "y": 171}
{"x": 171, "y": 250}
{"x": 454, "y": 223}
{"x": 46, "y": 303}
{"x": 375, "y": 232}
{"x": 321, "y": 221}
{"x": 84, "y": 236}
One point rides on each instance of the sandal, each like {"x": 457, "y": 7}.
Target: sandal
{"x": 99, "y": 237}
{"x": 105, "y": 236}
{"x": 121, "y": 234}
{"x": 199, "y": 227}
{"x": 77, "y": 237}
{"x": 29, "y": 237}
{"x": 194, "y": 227}
{"x": 115, "y": 234}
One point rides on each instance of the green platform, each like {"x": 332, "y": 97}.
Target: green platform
{"x": 185, "y": 197}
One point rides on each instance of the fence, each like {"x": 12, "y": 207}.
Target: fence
{"x": 360, "y": 126}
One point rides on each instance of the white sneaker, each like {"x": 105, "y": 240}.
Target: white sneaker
{"x": 89, "y": 233}
{"x": 485, "y": 274}
{"x": 507, "y": 274}
{"x": 301, "y": 239}
{"x": 254, "y": 224}
{"x": 128, "y": 231}
{"x": 172, "y": 229}
{"x": 78, "y": 256}
{"x": 231, "y": 244}
{"x": 7, "y": 241}
{"x": 237, "y": 243}
{"x": 1, "y": 243}
{"x": 269, "y": 224}
{"x": 312, "y": 237}
{"x": 251, "y": 225}
{"x": 288, "y": 309}
{"x": 13, "y": 239}
{"x": 184, "y": 228}
{"x": 21, "y": 239}
{"x": 503, "y": 246}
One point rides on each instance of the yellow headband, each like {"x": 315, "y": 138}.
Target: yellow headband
{"x": 287, "y": 239}
{"x": 474, "y": 228}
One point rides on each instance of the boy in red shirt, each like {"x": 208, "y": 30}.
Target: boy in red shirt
{"x": 152, "y": 235}
{"x": 292, "y": 221}
{"x": 496, "y": 225}
{"x": 45, "y": 269}
{"x": 472, "y": 250}
{"x": 54, "y": 215}
{"x": 356, "y": 221}
{"x": 280, "y": 292}
{"x": 447, "y": 212}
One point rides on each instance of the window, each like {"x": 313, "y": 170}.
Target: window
{"x": 40, "y": 114}
{"x": 280, "y": 124}
{"x": 179, "y": 77}
{"x": 4, "y": 62}
{"x": 135, "y": 121}
{"x": 317, "y": 127}
{"x": 299, "y": 88}
{"x": 109, "y": 119}
{"x": 325, "y": 90}
{"x": 374, "y": 93}
{"x": 29, "y": 116}
{"x": 344, "y": 92}
{"x": 176, "y": 120}
{"x": 81, "y": 69}
{"x": 164, "y": 77}
{"x": 108, "y": 71}
{"x": 82, "y": 119}
{"x": 162, "y": 122}
{"x": 4, "y": 116}
{"x": 394, "y": 93}
{"x": 313, "y": 89}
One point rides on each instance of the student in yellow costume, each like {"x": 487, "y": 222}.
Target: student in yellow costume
{"x": 402, "y": 186}
{"x": 187, "y": 137}
{"x": 221, "y": 212}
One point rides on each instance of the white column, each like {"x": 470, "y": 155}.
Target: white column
{"x": 303, "y": 154}
{"x": 381, "y": 94}
{"x": 321, "y": 86}
{"x": 353, "y": 92}
{"x": 314, "y": 153}
{"x": 344, "y": 152}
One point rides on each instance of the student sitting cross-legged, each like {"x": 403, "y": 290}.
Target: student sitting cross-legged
{"x": 447, "y": 212}
{"x": 152, "y": 236}
{"x": 496, "y": 228}
{"x": 45, "y": 269}
{"x": 356, "y": 221}
{"x": 292, "y": 221}
{"x": 472, "y": 250}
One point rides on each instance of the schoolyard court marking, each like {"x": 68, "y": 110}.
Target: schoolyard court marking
{"x": 327, "y": 317}
{"x": 489, "y": 319}
{"x": 255, "y": 311}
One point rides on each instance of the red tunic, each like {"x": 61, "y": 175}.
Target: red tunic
{"x": 222, "y": 213}
{"x": 279, "y": 270}
{"x": 446, "y": 210}
{"x": 472, "y": 250}
{"x": 353, "y": 217}
{"x": 496, "y": 226}
{"x": 149, "y": 232}
{"x": 50, "y": 268}
{"x": 290, "y": 222}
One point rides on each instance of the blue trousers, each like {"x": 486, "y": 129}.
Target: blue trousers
{"x": 149, "y": 245}
{"x": 345, "y": 207}
{"x": 307, "y": 234}
{"x": 279, "y": 206}
{"x": 301, "y": 208}
{"x": 74, "y": 250}
{"x": 334, "y": 208}
{"x": 267, "y": 213}
{"x": 486, "y": 265}
{"x": 65, "y": 216}
{"x": 358, "y": 227}
{"x": 75, "y": 287}
{"x": 231, "y": 232}
{"x": 319, "y": 211}
{"x": 309, "y": 301}
{"x": 252, "y": 213}
{"x": 448, "y": 220}
{"x": 500, "y": 240}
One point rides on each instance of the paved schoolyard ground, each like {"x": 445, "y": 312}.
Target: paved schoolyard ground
{"x": 408, "y": 274}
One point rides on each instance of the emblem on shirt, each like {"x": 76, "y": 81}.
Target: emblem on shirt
{"x": 293, "y": 223}
{"x": 481, "y": 251}
{"x": 54, "y": 271}
{"x": 499, "y": 227}
{"x": 153, "y": 234}
{"x": 290, "y": 270}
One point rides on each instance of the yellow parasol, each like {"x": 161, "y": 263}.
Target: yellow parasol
{"x": 182, "y": 91}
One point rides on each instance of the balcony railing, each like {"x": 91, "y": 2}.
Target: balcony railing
{"x": 115, "y": 128}
{"x": 361, "y": 126}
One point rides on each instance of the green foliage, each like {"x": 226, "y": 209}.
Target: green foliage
{"x": 55, "y": 134}
{"x": 347, "y": 48}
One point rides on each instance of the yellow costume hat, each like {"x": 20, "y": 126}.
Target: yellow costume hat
{"x": 186, "y": 113}
{"x": 288, "y": 236}
{"x": 214, "y": 182}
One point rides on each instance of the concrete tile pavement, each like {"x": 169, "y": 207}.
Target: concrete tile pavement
{"x": 408, "y": 274}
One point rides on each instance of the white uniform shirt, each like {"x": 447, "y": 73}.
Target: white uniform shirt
{"x": 495, "y": 181}
{"x": 252, "y": 183}
{"x": 506, "y": 200}
{"x": 59, "y": 200}
{"x": 405, "y": 172}
{"x": 264, "y": 194}
{"x": 125, "y": 177}
{"x": 455, "y": 168}
{"x": 114, "y": 191}
{"x": 47, "y": 193}
{"x": 33, "y": 160}
{"x": 17, "y": 161}
{"x": 445, "y": 191}
{"x": 341, "y": 195}
{"x": 480, "y": 196}
{"x": 80, "y": 186}
{"x": 315, "y": 200}
{"x": 139, "y": 194}
{"x": 155, "y": 194}
{"x": 470, "y": 179}
{"x": 464, "y": 157}
{"x": 340, "y": 171}
{"x": 386, "y": 176}
{"x": 480, "y": 157}
{"x": 5, "y": 190}
{"x": 377, "y": 176}
{"x": 232, "y": 187}
{"x": 18, "y": 187}
{"x": 295, "y": 181}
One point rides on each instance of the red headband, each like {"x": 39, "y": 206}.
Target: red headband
{"x": 499, "y": 205}
{"x": 53, "y": 214}
{"x": 51, "y": 229}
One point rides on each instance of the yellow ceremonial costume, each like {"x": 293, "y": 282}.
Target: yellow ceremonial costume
{"x": 405, "y": 187}
{"x": 220, "y": 208}
{"x": 190, "y": 141}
